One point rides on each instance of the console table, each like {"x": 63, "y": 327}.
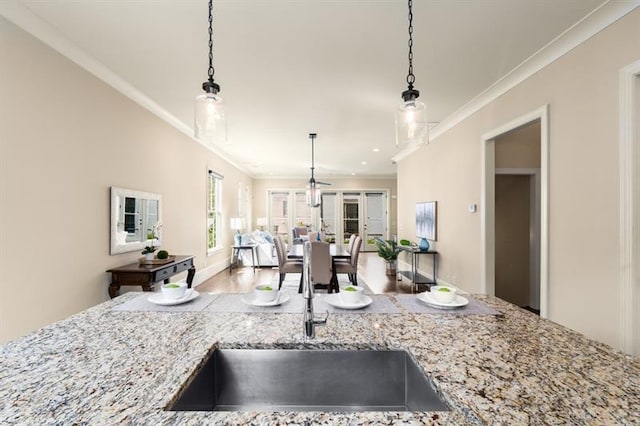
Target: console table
{"x": 413, "y": 275}
{"x": 235, "y": 253}
{"x": 147, "y": 275}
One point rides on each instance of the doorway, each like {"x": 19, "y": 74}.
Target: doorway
{"x": 375, "y": 219}
{"x": 517, "y": 237}
{"x": 534, "y": 185}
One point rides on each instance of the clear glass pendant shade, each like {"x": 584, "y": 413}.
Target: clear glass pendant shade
{"x": 313, "y": 195}
{"x": 411, "y": 124}
{"x": 210, "y": 118}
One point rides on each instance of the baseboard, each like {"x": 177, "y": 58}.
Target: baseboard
{"x": 203, "y": 275}
{"x": 405, "y": 266}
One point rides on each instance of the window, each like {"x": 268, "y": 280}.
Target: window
{"x": 214, "y": 211}
{"x": 304, "y": 215}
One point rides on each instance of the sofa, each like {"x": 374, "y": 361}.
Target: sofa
{"x": 265, "y": 249}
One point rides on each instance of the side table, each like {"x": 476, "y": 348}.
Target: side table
{"x": 235, "y": 252}
{"x": 413, "y": 275}
{"x": 147, "y": 275}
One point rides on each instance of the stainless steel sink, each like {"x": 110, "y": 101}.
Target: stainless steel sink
{"x": 309, "y": 380}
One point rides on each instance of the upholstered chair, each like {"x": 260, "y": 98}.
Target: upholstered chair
{"x": 321, "y": 267}
{"x": 351, "y": 268}
{"x": 285, "y": 266}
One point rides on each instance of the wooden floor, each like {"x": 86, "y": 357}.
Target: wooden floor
{"x": 371, "y": 269}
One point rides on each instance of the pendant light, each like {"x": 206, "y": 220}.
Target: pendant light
{"x": 210, "y": 119}
{"x": 313, "y": 191}
{"x": 411, "y": 117}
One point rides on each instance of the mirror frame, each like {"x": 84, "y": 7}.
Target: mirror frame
{"x": 118, "y": 193}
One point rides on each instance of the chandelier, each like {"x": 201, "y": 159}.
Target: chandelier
{"x": 313, "y": 191}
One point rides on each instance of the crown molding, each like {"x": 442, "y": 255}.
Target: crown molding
{"x": 24, "y": 18}
{"x": 305, "y": 178}
{"x": 600, "y": 18}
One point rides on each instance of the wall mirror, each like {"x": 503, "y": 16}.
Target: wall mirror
{"x": 134, "y": 215}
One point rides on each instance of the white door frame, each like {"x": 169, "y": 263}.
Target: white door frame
{"x": 487, "y": 203}
{"x": 629, "y": 151}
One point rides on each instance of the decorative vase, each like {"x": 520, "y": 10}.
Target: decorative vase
{"x": 148, "y": 256}
{"x": 238, "y": 239}
{"x": 424, "y": 245}
{"x": 392, "y": 267}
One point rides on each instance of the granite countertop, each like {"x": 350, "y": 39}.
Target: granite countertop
{"x": 111, "y": 367}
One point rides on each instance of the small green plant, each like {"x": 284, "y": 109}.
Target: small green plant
{"x": 387, "y": 249}
{"x": 405, "y": 242}
{"x": 148, "y": 249}
{"x": 163, "y": 254}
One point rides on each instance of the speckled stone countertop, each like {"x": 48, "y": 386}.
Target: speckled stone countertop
{"x": 108, "y": 367}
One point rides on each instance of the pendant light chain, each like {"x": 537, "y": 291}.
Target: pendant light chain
{"x": 211, "y": 70}
{"x": 210, "y": 115}
{"x": 410, "y": 77}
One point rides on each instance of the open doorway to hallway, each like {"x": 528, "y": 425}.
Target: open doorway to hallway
{"x": 517, "y": 216}
{"x": 514, "y": 210}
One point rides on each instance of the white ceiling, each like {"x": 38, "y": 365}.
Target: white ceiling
{"x": 334, "y": 67}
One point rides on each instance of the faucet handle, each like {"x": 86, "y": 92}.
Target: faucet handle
{"x": 321, "y": 321}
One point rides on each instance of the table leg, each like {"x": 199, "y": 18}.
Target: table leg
{"x": 435, "y": 262}
{"x": 414, "y": 272}
{"x": 191, "y": 273}
{"x": 253, "y": 258}
{"x": 114, "y": 290}
{"x": 234, "y": 253}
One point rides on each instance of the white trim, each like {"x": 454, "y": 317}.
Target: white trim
{"x": 629, "y": 152}
{"x": 40, "y": 29}
{"x": 487, "y": 207}
{"x": 600, "y": 18}
{"x": 203, "y": 275}
{"x": 405, "y": 152}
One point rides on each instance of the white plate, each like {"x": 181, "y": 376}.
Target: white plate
{"x": 427, "y": 298}
{"x": 159, "y": 299}
{"x": 335, "y": 300}
{"x": 250, "y": 299}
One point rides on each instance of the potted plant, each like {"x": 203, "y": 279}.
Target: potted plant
{"x": 148, "y": 252}
{"x": 388, "y": 250}
{"x": 152, "y": 238}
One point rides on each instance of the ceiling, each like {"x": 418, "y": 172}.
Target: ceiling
{"x": 288, "y": 68}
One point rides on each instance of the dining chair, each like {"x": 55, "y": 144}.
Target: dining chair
{"x": 351, "y": 268}
{"x": 321, "y": 267}
{"x": 352, "y": 239}
{"x": 285, "y": 266}
{"x": 300, "y": 234}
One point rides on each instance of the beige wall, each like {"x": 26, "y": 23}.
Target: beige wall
{"x": 66, "y": 138}
{"x": 581, "y": 88}
{"x": 520, "y": 148}
{"x": 261, "y": 186}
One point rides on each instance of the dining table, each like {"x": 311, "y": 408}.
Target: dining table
{"x": 337, "y": 251}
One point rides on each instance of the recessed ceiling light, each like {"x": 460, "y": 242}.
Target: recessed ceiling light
{"x": 376, "y": 149}
{"x": 353, "y": 173}
{"x": 364, "y": 163}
